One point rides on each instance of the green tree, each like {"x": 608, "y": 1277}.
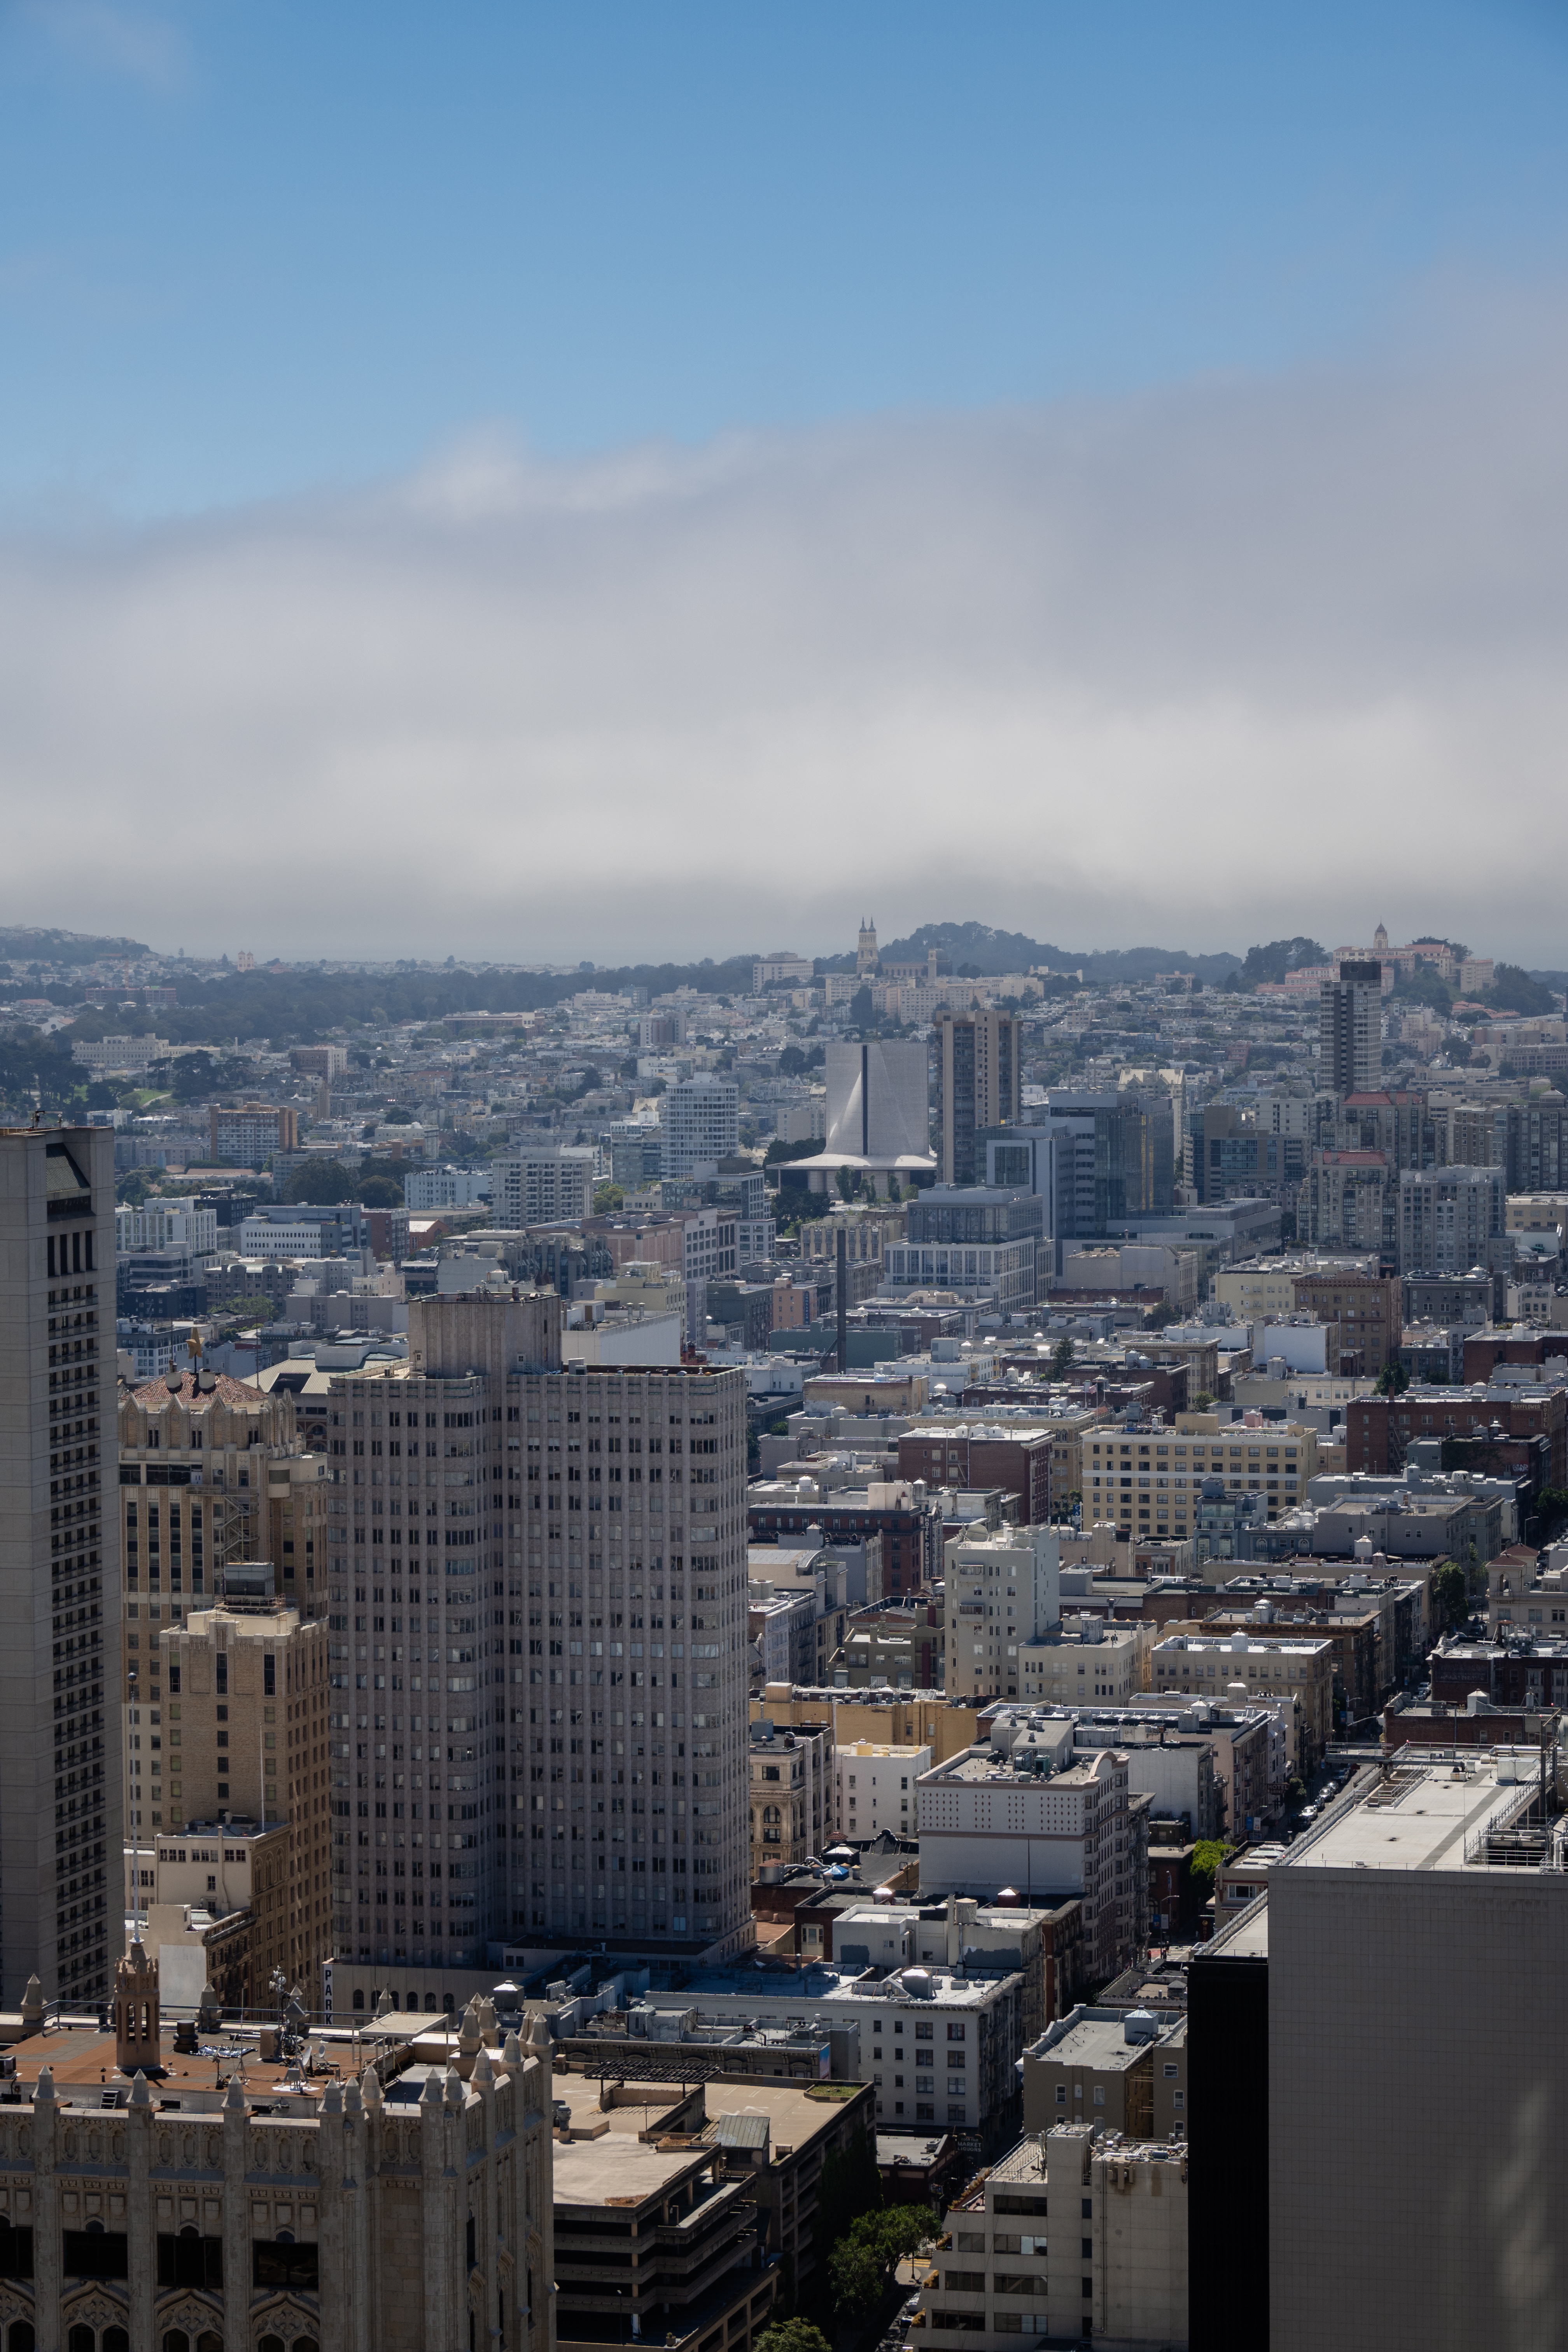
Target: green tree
{"x": 793, "y": 2335}
{"x": 323, "y": 1183}
{"x": 1394, "y": 1379}
{"x": 862, "y": 2262}
{"x": 1062, "y": 1359}
{"x": 380, "y": 1192}
{"x": 1207, "y": 1855}
{"x": 855, "y": 2277}
{"x": 1450, "y": 1592}
{"x": 605, "y": 1198}
{"x": 1552, "y": 1509}
{"x": 254, "y": 1307}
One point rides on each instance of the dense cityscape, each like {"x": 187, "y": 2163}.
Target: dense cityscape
{"x": 917, "y": 1528}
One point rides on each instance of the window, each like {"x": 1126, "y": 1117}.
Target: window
{"x": 95, "y": 2254}
{"x": 190, "y": 2259}
{"x": 15, "y": 2251}
{"x": 282, "y": 2263}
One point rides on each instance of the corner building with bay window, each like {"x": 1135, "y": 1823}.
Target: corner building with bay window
{"x": 536, "y": 1647}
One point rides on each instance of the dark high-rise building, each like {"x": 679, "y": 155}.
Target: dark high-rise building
{"x": 977, "y": 1086}
{"x": 1350, "y": 1028}
{"x": 61, "y": 1873}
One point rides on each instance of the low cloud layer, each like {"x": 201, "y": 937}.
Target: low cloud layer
{"x": 1236, "y": 661}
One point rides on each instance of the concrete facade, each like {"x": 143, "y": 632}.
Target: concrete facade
{"x": 1439, "y": 2187}
{"x": 575, "y": 1576}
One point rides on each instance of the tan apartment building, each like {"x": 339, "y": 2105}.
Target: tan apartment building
{"x": 1124, "y": 2070}
{"x": 910, "y": 1719}
{"x": 792, "y": 1792}
{"x": 247, "y": 1725}
{"x": 1263, "y": 1289}
{"x": 211, "y": 1470}
{"x": 1365, "y": 1316}
{"x": 1110, "y": 2264}
{"x": 1243, "y": 1667}
{"x": 1148, "y": 1481}
{"x": 1086, "y": 1663}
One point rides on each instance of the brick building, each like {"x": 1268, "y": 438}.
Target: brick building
{"x": 1378, "y": 1429}
{"x": 976, "y": 1454}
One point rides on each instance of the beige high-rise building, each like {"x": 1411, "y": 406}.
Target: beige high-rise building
{"x": 1000, "y": 1589}
{"x": 978, "y": 1086}
{"x": 246, "y": 1735}
{"x": 60, "y": 1795}
{"x": 211, "y": 1470}
{"x": 538, "y": 1641}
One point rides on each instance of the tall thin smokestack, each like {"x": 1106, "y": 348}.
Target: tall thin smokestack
{"x": 843, "y": 1272}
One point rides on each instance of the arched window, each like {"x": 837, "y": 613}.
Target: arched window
{"x": 177, "y": 2340}
{"x": 81, "y": 2339}
{"x": 209, "y": 2341}
{"x": 114, "y": 2340}
{"x": 270, "y": 2343}
{"x": 19, "y": 2336}
{"x": 305, "y": 2344}
{"x": 359, "y": 1998}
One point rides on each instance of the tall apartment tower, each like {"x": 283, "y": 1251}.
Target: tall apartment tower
{"x": 61, "y": 1891}
{"x": 1350, "y": 1029}
{"x": 701, "y": 1123}
{"x": 977, "y": 1087}
{"x": 537, "y": 1647}
{"x": 245, "y": 1741}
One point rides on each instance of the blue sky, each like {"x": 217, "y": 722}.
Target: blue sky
{"x": 656, "y": 480}
{"x": 251, "y": 246}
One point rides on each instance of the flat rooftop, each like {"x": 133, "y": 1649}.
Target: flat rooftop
{"x": 1422, "y": 1816}
{"x": 620, "y": 2169}
{"x": 990, "y": 1764}
{"x": 1097, "y": 2040}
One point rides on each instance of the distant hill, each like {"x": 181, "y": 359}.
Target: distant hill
{"x": 995, "y": 952}
{"x": 24, "y": 943}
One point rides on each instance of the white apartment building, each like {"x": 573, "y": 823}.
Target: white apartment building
{"x": 545, "y": 1185}
{"x": 875, "y": 1788}
{"x": 1117, "y": 2222}
{"x": 120, "y": 1056}
{"x": 989, "y": 1821}
{"x": 1446, "y": 1217}
{"x": 271, "y": 1237}
{"x": 701, "y": 1123}
{"x": 425, "y": 1189}
{"x": 166, "y": 1224}
{"x": 1148, "y": 1481}
{"x": 1000, "y": 1588}
{"x": 940, "y": 2044}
